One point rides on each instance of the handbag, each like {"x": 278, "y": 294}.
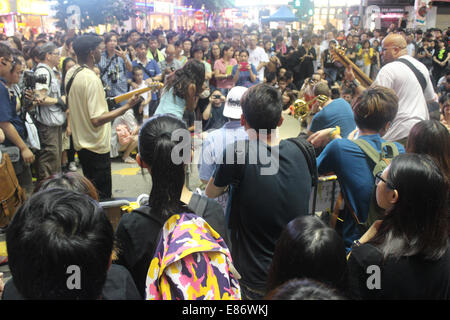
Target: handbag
{"x": 33, "y": 136}
{"x": 12, "y": 196}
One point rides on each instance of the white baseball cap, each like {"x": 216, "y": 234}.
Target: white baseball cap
{"x": 232, "y": 108}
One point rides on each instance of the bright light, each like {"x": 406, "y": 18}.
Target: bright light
{"x": 337, "y": 3}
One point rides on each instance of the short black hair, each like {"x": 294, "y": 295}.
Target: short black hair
{"x": 375, "y": 108}
{"x": 5, "y": 51}
{"x": 54, "y": 230}
{"x": 85, "y": 44}
{"x": 262, "y": 106}
{"x": 46, "y": 48}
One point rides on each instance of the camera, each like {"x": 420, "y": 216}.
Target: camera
{"x": 217, "y": 96}
{"x": 30, "y": 80}
{"x": 29, "y": 83}
{"x": 113, "y": 76}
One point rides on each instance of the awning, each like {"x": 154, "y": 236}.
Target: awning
{"x": 283, "y": 14}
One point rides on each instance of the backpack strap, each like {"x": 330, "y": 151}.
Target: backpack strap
{"x": 310, "y": 157}
{"x": 419, "y": 76}
{"x": 199, "y": 203}
{"x": 370, "y": 151}
{"x": 69, "y": 84}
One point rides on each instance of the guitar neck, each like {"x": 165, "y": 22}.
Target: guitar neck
{"x": 359, "y": 74}
{"x": 128, "y": 95}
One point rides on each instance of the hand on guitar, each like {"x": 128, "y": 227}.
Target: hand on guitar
{"x": 348, "y": 74}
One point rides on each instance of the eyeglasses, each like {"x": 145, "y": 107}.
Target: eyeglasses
{"x": 378, "y": 179}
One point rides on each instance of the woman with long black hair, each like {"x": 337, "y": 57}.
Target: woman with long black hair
{"x": 182, "y": 90}
{"x": 137, "y": 233}
{"x": 405, "y": 255}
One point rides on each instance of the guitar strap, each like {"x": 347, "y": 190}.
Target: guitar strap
{"x": 420, "y": 77}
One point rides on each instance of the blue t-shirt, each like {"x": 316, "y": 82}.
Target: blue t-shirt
{"x": 337, "y": 113}
{"x": 345, "y": 159}
{"x": 172, "y": 104}
{"x": 8, "y": 112}
{"x": 244, "y": 77}
{"x": 152, "y": 69}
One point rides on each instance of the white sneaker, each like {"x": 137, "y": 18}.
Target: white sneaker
{"x": 72, "y": 167}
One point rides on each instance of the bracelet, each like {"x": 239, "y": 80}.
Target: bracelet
{"x": 335, "y": 132}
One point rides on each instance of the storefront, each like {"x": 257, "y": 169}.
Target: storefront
{"x": 163, "y": 14}
{"x": 25, "y": 16}
{"x": 334, "y": 12}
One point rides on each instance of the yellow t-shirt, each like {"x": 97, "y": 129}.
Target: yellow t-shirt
{"x": 87, "y": 101}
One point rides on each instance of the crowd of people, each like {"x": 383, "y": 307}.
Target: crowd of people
{"x": 247, "y": 232}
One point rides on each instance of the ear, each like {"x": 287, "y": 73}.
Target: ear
{"x": 394, "y": 197}
{"x": 141, "y": 162}
{"x": 281, "y": 121}
{"x": 243, "y": 120}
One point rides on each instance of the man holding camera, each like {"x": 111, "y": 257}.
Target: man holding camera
{"x": 50, "y": 112}
{"x": 114, "y": 67}
{"x": 11, "y": 124}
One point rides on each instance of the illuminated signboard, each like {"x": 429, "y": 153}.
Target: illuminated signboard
{"x": 35, "y": 7}
{"x": 4, "y": 6}
{"x": 164, "y": 7}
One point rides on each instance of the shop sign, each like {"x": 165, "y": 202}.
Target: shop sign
{"x": 35, "y": 7}
{"x": 4, "y": 6}
{"x": 199, "y": 15}
{"x": 393, "y": 10}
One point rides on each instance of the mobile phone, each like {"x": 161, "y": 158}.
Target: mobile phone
{"x": 244, "y": 66}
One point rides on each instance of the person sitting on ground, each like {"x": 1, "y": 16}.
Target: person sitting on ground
{"x": 306, "y": 248}
{"x": 331, "y": 113}
{"x": 411, "y": 239}
{"x": 60, "y": 244}
{"x": 137, "y": 232}
{"x": 373, "y": 112}
{"x": 212, "y": 116}
{"x": 124, "y": 136}
{"x": 244, "y": 73}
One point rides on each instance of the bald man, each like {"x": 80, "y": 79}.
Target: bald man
{"x": 402, "y": 79}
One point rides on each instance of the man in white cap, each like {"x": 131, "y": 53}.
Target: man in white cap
{"x": 217, "y": 140}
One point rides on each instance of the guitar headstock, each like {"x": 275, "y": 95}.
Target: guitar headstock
{"x": 340, "y": 51}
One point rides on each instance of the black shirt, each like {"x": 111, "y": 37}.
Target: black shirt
{"x": 138, "y": 235}
{"x": 406, "y": 278}
{"x": 118, "y": 286}
{"x": 268, "y": 202}
{"x": 216, "y": 120}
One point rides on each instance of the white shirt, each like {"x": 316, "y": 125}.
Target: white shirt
{"x": 412, "y": 104}
{"x": 256, "y": 56}
{"x": 411, "y": 48}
